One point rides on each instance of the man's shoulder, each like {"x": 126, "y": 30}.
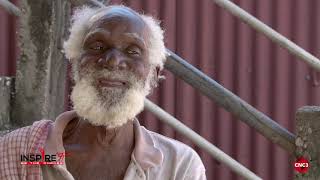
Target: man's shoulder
{"x": 174, "y": 149}
{"x": 168, "y": 144}
{"x": 19, "y": 142}
{"x": 25, "y": 136}
{"x": 178, "y": 158}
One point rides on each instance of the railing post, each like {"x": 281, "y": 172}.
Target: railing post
{"x": 308, "y": 140}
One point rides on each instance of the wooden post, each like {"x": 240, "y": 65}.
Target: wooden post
{"x": 41, "y": 69}
{"x": 308, "y": 141}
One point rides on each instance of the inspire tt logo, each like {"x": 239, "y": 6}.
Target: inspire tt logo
{"x": 43, "y": 158}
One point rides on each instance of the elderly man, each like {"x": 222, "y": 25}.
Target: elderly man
{"x": 116, "y": 55}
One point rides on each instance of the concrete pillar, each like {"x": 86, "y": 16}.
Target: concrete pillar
{"x": 41, "y": 68}
{"x": 6, "y": 84}
{"x": 308, "y": 141}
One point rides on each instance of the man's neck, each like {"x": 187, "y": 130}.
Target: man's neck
{"x": 80, "y": 131}
{"x": 112, "y": 147}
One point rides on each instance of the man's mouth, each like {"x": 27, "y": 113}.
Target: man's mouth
{"x": 113, "y": 83}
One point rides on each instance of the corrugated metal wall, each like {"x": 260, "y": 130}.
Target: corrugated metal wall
{"x": 246, "y": 63}
{"x": 240, "y": 59}
{"x": 8, "y": 50}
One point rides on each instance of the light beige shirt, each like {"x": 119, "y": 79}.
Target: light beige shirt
{"x": 155, "y": 157}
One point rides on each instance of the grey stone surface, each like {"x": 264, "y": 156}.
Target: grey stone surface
{"x": 41, "y": 68}
{"x": 308, "y": 140}
{"x": 6, "y": 84}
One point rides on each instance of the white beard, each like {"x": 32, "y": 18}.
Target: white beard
{"x": 99, "y": 111}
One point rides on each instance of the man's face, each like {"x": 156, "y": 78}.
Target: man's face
{"x": 113, "y": 67}
{"x": 115, "y": 53}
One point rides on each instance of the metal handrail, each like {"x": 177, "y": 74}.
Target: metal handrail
{"x": 219, "y": 155}
{"x": 11, "y": 8}
{"x": 229, "y": 101}
{"x": 269, "y": 33}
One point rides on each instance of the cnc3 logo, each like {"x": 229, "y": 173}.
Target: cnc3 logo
{"x": 302, "y": 165}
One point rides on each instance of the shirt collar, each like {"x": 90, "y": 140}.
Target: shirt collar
{"x": 145, "y": 153}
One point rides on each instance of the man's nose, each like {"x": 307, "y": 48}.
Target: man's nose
{"x": 113, "y": 60}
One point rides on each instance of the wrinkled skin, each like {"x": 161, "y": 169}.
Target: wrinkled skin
{"x": 117, "y": 41}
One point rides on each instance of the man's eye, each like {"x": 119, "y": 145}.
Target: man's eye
{"x": 97, "y": 48}
{"x": 134, "y": 51}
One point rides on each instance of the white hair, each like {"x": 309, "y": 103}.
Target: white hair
{"x": 81, "y": 23}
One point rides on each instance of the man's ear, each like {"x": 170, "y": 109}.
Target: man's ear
{"x": 158, "y": 76}
{"x": 157, "y": 72}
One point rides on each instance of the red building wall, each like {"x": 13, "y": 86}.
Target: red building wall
{"x": 8, "y": 38}
{"x": 243, "y": 61}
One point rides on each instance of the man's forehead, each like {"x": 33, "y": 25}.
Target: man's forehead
{"x": 110, "y": 12}
{"x": 134, "y": 24}
{"x": 129, "y": 35}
